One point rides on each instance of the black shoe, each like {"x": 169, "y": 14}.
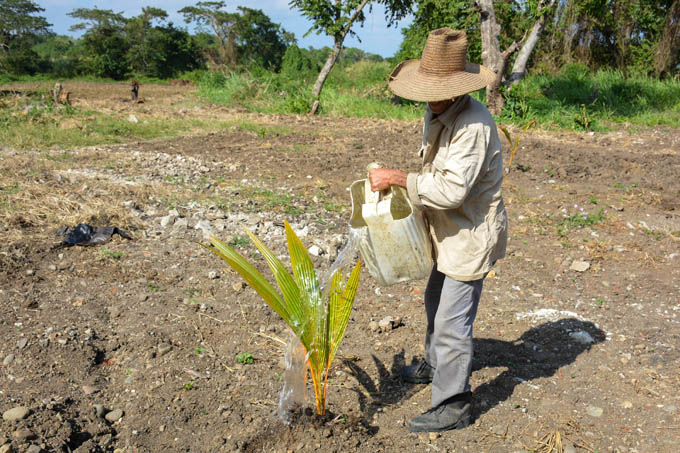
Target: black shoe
{"x": 454, "y": 414}
{"x": 420, "y": 373}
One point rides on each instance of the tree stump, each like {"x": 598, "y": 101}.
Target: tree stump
{"x": 134, "y": 91}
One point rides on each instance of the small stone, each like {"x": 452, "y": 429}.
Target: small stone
{"x": 106, "y": 440}
{"x": 7, "y": 448}
{"x": 17, "y": 413}
{"x": 133, "y": 118}
{"x": 30, "y": 272}
{"x": 99, "y": 410}
{"x": 315, "y": 250}
{"x": 433, "y": 436}
{"x": 181, "y": 224}
{"x": 594, "y": 411}
{"x": 89, "y": 389}
{"x": 373, "y": 326}
{"x": 34, "y": 449}
{"x": 583, "y": 337}
{"x": 21, "y": 344}
{"x": 626, "y": 405}
{"x": 8, "y": 360}
{"x": 164, "y": 348}
{"x": 205, "y": 226}
{"x": 213, "y": 275}
{"x": 143, "y": 297}
{"x": 114, "y": 415}
{"x": 168, "y": 220}
{"x": 53, "y": 267}
{"x": 23, "y": 434}
{"x": 671, "y": 409}
{"x": 385, "y": 324}
{"x": 580, "y": 266}
{"x": 499, "y": 430}
{"x": 238, "y": 286}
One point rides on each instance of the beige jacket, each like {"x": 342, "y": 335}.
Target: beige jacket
{"x": 459, "y": 188}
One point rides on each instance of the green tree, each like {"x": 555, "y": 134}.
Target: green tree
{"x": 432, "y": 14}
{"x": 259, "y": 40}
{"x": 625, "y": 34}
{"x": 336, "y": 18}
{"x": 20, "y": 29}
{"x": 104, "y": 41}
{"x": 211, "y": 18}
{"x": 299, "y": 64}
{"x": 161, "y": 50}
{"x": 61, "y": 55}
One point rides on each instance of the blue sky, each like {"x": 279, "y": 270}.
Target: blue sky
{"x": 375, "y": 36}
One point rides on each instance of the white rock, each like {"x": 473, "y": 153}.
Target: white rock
{"x": 594, "y": 411}
{"x": 205, "y": 226}
{"x": 580, "y": 266}
{"x": 168, "y": 220}
{"x": 315, "y": 250}
{"x": 133, "y": 119}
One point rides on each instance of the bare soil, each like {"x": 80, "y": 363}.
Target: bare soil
{"x": 565, "y": 359}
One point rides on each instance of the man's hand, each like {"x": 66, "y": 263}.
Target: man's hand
{"x": 383, "y": 178}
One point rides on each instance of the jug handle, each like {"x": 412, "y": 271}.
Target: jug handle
{"x": 372, "y": 197}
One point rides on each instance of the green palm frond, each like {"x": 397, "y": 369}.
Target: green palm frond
{"x": 319, "y": 324}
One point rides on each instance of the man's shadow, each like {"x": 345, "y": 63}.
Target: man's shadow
{"x": 539, "y": 352}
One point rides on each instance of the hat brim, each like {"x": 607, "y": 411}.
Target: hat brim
{"x": 409, "y": 83}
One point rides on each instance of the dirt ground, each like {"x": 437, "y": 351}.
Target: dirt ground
{"x": 131, "y": 346}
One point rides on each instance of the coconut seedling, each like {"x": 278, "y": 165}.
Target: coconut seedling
{"x": 318, "y": 318}
{"x": 514, "y": 145}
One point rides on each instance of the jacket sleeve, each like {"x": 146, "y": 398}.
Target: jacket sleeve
{"x": 454, "y": 173}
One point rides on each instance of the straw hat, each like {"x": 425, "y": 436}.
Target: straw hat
{"x": 442, "y": 73}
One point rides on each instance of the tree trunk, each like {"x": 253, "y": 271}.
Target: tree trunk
{"x": 323, "y": 75}
{"x": 670, "y": 40}
{"x": 490, "y": 29}
{"x": 492, "y": 57}
{"x": 519, "y": 68}
{"x": 494, "y": 97}
{"x": 330, "y": 62}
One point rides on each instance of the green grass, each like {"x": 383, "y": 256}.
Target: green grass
{"x": 359, "y": 90}
{"x": 579, "y": 99}
{"x": 33, "y": 123}
{"x": 575, "y": 98}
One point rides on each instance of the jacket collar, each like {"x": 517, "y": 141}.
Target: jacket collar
{"x": 449, "y": 115}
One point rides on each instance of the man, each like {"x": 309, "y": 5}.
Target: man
{"x": 459, "y": 191}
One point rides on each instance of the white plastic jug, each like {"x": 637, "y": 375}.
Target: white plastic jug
{"x": 392, "y": 236}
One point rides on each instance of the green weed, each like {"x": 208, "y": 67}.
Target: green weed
{"x": 112, "y": 254}
{"x": 580, "y": 220}
{"x": 245, "y": 358}
{"x": 189, "y": 386}
{"x": 153, "y": 288}
{"x": 239, "y": 241}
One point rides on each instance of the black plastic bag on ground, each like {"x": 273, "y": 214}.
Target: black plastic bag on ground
{"x": 84, "y": 234}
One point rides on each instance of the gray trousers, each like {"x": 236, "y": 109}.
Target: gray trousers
{"x": 451, "y": 307}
